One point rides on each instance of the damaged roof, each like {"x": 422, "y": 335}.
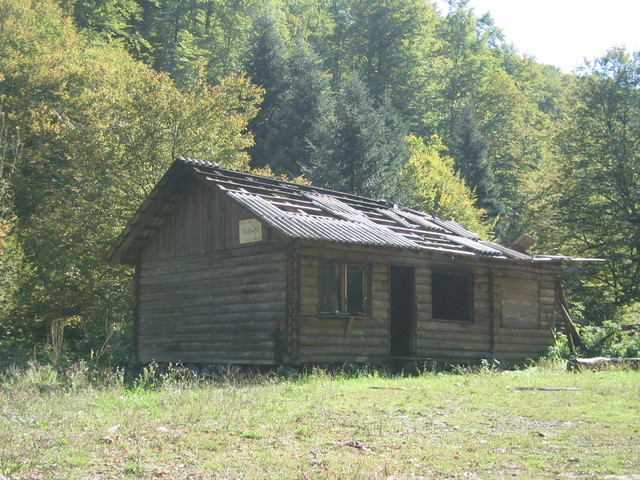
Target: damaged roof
{"x": 306, "y": 212}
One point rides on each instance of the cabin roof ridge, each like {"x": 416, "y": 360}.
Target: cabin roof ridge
{"x": 309, "y": 212}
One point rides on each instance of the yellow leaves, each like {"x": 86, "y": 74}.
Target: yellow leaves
{"x": 5, "y": 229}
{"x": 437, "y": 188}
{"x": 267, "y": 172}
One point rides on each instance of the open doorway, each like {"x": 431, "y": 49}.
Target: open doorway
{"x": 402, "y": 311}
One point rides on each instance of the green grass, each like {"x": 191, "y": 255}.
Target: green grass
{"x": 471, "y": 425}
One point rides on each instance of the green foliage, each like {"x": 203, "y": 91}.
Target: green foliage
{"x": 295, "y": 84}
{"x": 389, "y": 42}
{"x": 357, "y": 147}
{"x": 469, "y": 149}
{"x": 99, "y": 129}
{"x": 591, "y": 193}
{"x": 109, "y": 19}
{"x": 610, "y": 340}
{"x": 438, "y": 189}
{"x": 11, "y": 253}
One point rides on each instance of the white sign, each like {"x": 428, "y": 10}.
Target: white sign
{"x": 250, "y": 231}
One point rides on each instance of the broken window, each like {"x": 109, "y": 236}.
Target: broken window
{"x": 342, "y": 288}
{"x": 452, "y": 296}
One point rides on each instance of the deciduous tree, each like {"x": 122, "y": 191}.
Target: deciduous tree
{"x": 434, "y": 186}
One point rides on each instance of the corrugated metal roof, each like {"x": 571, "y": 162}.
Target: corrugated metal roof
{"x": 309, "y": 227}
{"x": 312, "y": 213}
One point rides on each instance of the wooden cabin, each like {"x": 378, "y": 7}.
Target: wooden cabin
{"x": 236, "y": 268}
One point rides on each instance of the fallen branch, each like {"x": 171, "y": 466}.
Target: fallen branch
{"x": 600, "y": 362}
{"x": 390, "y": 388}
{"x": 548, "y": 389}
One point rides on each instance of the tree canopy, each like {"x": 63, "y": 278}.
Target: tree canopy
{"x": 390, "y": 99}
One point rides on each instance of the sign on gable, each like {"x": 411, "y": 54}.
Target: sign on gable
{"x": 250, "y": 231}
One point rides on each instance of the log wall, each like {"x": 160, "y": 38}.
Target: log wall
{"x": 221, "y": 307}
{"x": 526, "y": 330}
{"x": 525, "y": 293}
{"x": 451, "y": 341}
{"x": 342, "y": 338}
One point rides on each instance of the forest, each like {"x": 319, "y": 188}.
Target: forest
{"x": 391, "y": 99}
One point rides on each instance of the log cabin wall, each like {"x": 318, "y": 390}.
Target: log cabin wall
{"x": 525, "y": 304}
{"x": 326, "y": 338}
{"x": 221, "y": 307}
{"x": 449, "y": 340}
{"x": 512, "y": 317}
{"x": 203, "y": 297}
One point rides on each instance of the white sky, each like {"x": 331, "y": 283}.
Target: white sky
{"x": 564, "y": 32}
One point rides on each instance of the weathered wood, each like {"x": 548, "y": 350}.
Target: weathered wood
{"x": 597, "y": 363}
{"x": 240, "y": 255}
{"x": 248, "y": 296}
{"x": 268, "y": 304}
{"x": 455, "y": 328}
{"x": 440, "y": 338}
{"x": 264, "y": 325}
{"x": 453, "y": 345}
{"x": 340, "y": 353}
{"x": 338, "y": 340}
{"x": 231, "y": 304}
{"x": 356, "y": 332}
{"x": 237, "y": 358}
{"x": 168, "y": 285}
{"x": 508, "y": 332}
{"x": 331, "y": 322}
{"x": 214, "y": 272}
{"x": 458, "y": 356}
{"x": 570, "y": 330}
{"x": 205, "y": 342}
{"x": 136, "y": 309}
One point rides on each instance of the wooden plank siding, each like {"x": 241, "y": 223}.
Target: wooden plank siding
{"x": 343, "y": 338}
{"x": 206, "y": 220}
{"x": 528, "y": 333}
{"x": 451, "y": 341}
{"x": 222, "y": 307}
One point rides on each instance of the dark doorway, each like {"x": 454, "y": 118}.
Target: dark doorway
{"x": 402, "y": 311}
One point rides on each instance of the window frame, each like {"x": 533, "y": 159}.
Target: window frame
{"x": 342, "y": 288}
{"x": 465, "y": 315}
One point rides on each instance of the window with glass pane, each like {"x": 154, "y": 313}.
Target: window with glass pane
{"x": 329, "y": 287}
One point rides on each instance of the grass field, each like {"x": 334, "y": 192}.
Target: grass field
{"x": 479, "y": 425}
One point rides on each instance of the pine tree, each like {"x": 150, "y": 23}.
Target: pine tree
{"x": 356, "y": 147}
{"x": 469, "y": 149}
{"x": 267, "y": 68}
{"x": 291, "y": 107}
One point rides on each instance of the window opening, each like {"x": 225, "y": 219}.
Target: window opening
{"x": 354, "y": 289}
{"x": 452, "y": 296}
{"x": 342, "y": 288}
